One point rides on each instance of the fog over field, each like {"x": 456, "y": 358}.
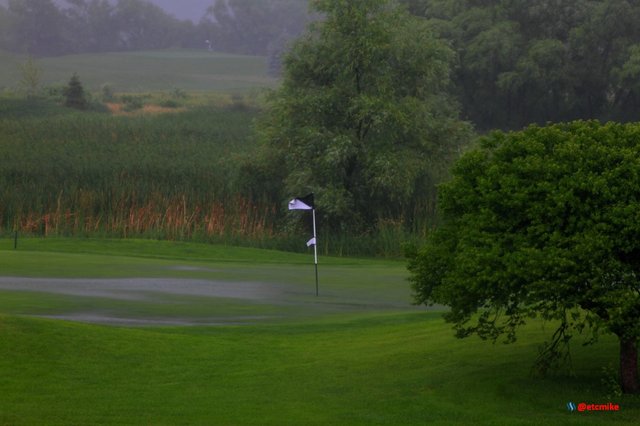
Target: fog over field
{"x": 181, "y": 9}
{"x": 185, "y": 9}
{"x": 62, "y": 27}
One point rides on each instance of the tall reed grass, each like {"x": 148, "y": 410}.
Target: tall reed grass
{"x": 170, "y": 176}
{"x": 166, "y": 176}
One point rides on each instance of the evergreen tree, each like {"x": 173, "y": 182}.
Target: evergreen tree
{"x": 74, "y": 94}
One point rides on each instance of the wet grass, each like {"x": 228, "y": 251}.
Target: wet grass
{"x": 345, "y": 285}
{"x": 370, "y": 369}
{"x": 369, "y": 362}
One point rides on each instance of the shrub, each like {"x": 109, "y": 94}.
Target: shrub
{"x": 170, "y": 103}
{"x": 108, "y": 94}
{"x": 132, "y": 103}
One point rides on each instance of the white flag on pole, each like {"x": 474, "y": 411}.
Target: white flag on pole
{"x": 311, "y": 242}
{"x": 302, "y": 203}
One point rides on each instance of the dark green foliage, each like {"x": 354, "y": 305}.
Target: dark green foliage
{"x": 363, "y": 119}
{"x": 74, "y": 96}
{"x": 543, "y": 222}
{"x": 522, "y": 61}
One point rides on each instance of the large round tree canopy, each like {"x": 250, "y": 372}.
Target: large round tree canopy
{"x": 542, "y": 222}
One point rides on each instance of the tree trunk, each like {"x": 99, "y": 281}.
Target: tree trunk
{"x": 629, "y": 365}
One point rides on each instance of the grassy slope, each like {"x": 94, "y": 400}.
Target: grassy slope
{"x": 176, "y": 250}
{"x": 399, "y": 369}
{"x": 196, "y": 70}
{"x": 359, "y": 367}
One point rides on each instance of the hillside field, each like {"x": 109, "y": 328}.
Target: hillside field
{"x": 358, "y": 354}
{"x": 145, "y": 71}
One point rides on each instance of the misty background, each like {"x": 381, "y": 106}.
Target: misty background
{"x": 62, "y": 27}
{"x": 516, "y": 62}
{"x": 192, "y": 10}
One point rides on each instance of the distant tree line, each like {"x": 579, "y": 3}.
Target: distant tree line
{"x": 49, "y": 28}
{"x": 45, "y": 28}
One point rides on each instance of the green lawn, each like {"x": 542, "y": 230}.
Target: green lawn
{"x": 371, "y": 369}
{"x": 192, "y": 70}
{"x": 374, "y": 360}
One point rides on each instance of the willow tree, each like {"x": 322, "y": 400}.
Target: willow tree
{"x": 362, "y": 118}
{"x": 542, "y": 223}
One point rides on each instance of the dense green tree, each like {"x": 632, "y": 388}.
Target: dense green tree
{"x": 542, "y": 223}
{"x": 363, "y": 118}
{"x": 551, "y": 60}
{"x": 536, "y": 88}
{"x": 597, "y": 46}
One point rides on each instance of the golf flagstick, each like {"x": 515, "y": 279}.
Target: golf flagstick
{"x": 315, "y": 247}
{"x": 307, "y": 203}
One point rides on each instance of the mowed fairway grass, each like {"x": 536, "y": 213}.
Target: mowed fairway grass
{"x": 359, "y": 353}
